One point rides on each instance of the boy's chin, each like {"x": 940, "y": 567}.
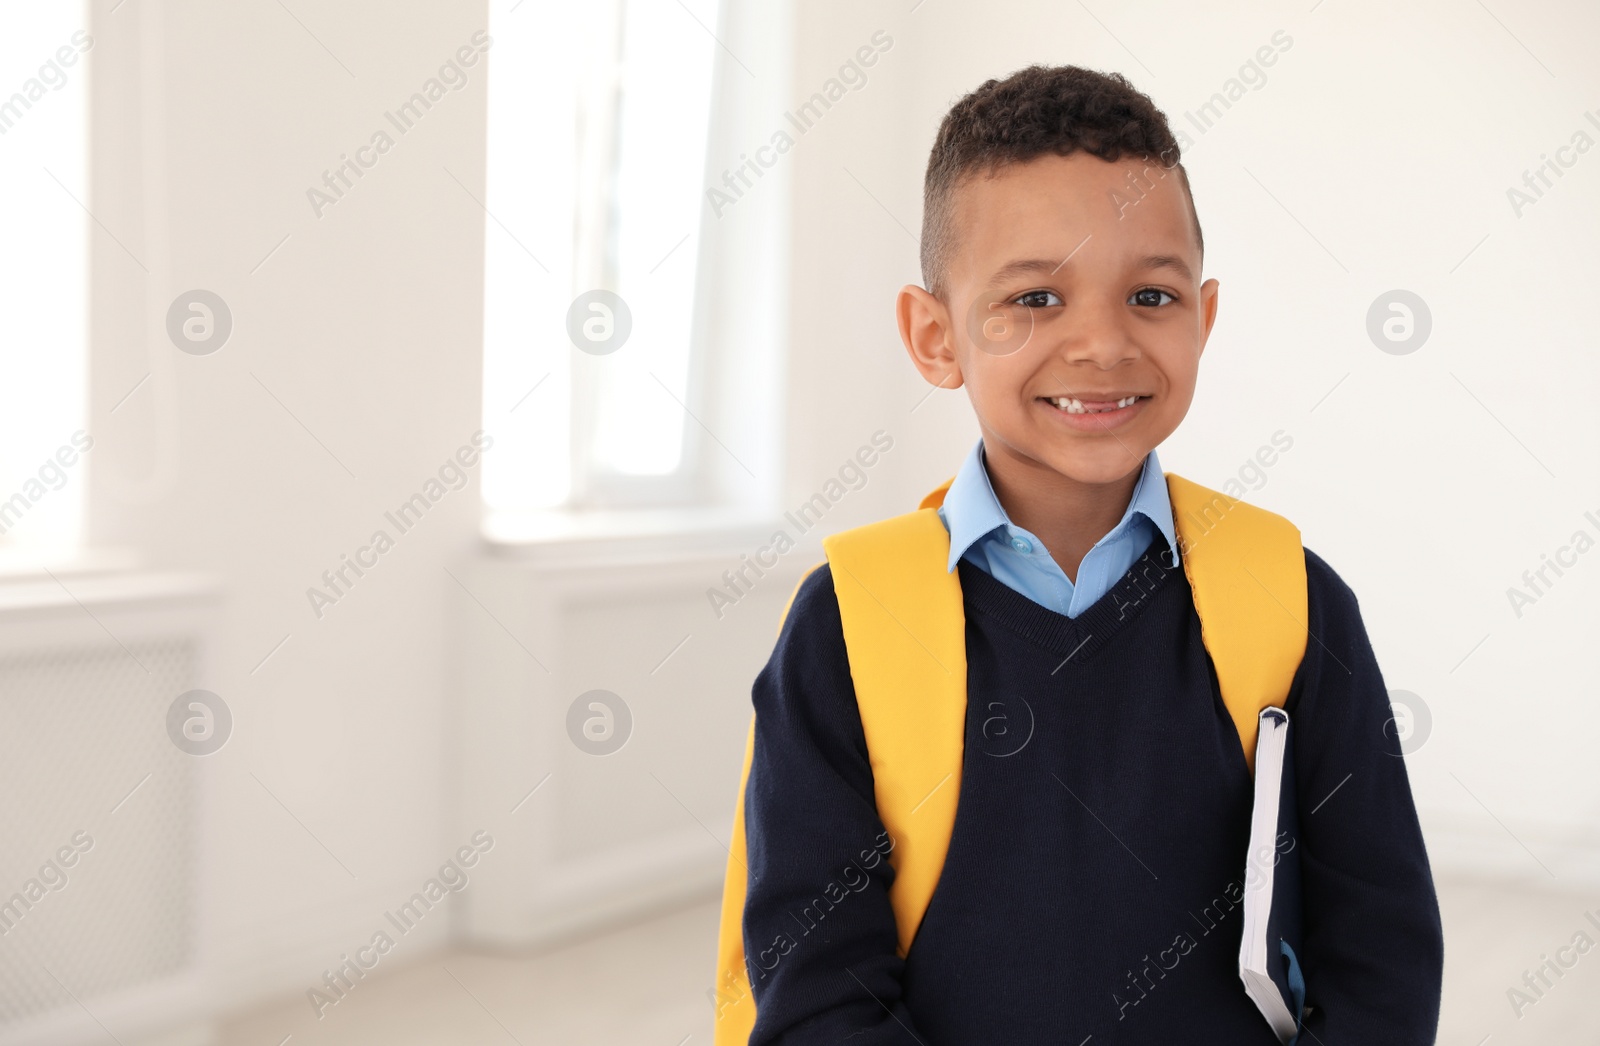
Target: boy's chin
{"x": 1096, "y": 466}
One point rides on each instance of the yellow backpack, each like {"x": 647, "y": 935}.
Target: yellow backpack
{"x": 905, "y": 635}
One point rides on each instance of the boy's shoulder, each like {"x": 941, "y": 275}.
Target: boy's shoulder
{"x": 806, "y": 684}
{"x": 814, "y": 597}
{"x": 1328, "y": 594}
{"x": 1338, "y": 641}
{"x": 812, "y": 627}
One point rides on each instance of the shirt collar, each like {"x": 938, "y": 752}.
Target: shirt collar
{"x": 971, "y": 509}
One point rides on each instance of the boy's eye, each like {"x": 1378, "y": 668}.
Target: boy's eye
{"x": 1142, "y": 297}
{"x": 1038, "y": 299}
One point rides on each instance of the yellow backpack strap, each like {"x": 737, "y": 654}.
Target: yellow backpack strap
{"x": 905, "y": 632}
{"x": 1247, "y": 570}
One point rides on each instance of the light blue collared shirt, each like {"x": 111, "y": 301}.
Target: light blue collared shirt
{"x": 982, "y": 534}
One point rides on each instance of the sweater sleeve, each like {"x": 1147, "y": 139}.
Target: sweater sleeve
{"x": 1374, "y": 947}
{"x": 819, "y": 932}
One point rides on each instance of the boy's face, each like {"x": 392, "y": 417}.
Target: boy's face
{"x": 1059, "y": 290}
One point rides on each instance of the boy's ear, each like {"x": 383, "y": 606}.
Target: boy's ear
{"x": 1208, "y": 310}
{"x": 929, "y": 337}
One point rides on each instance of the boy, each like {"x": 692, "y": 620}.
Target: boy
{"x": 1090, "y": 888}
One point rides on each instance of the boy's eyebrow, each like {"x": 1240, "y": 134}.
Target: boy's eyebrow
{"x": 1023, "y": 267}
{"x": 1167, "y": 261}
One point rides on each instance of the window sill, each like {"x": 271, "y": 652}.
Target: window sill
{"x": 72, "y": 580}
{"x": 582, "y": 538}
{"x": 20, "y": 564}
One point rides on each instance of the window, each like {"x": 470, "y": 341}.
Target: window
{"x": 43, "y": 276}
{"x": 599, "y": 116}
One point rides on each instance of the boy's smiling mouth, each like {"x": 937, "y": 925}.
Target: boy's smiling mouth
{"x": 1095, "y": 412}
{"x": 1096, "y": 405}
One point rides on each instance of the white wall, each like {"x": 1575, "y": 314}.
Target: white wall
{"x": 351, "y": 374}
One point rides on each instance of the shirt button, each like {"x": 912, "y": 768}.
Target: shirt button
{"x": 1022, "y": 544}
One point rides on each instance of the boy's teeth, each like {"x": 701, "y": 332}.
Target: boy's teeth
{"x": 1072, "y": 406}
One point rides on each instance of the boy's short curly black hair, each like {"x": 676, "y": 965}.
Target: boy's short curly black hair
{"x": 1038, "y": 110}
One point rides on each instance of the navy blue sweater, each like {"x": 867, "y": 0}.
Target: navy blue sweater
{"x": 1094, "y": 875}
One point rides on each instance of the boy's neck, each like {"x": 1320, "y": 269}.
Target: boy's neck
{"x": 1067, "y": 515}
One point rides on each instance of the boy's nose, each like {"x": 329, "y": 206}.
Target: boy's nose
{"x": 1095, "y": 333}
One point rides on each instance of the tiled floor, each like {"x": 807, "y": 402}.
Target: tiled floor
{"x": 645, "y": 985}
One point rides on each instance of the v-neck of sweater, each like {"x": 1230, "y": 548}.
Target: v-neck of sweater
{"x": 1078, "y": 638}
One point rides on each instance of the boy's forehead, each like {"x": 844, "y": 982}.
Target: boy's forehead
{"x": 1073, "y": 206}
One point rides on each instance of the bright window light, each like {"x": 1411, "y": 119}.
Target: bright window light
{"x": 43, "y": 275}
{"x": 596, "y": 167}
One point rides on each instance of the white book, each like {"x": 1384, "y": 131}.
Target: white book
{"x": 1268, "y": 963}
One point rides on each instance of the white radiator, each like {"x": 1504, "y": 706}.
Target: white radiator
{"x": 589, "y": 834}
{"x": 99, "y": 871}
